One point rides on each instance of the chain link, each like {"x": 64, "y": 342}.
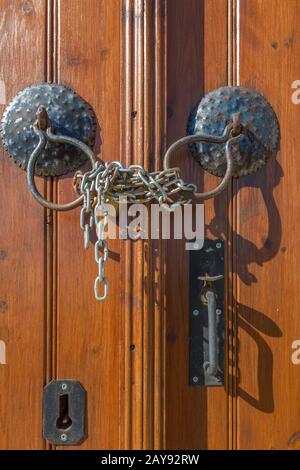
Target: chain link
{"x": 101, "y": 249}
{"x": 136, "y": 184}
{"x": 86, "y": 213}
{"x": 111, "y": 182}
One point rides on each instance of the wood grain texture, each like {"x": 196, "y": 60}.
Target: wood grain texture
{"x": 142, "y": 138}
{"x": 268, "y": 256}
{"x": 88, "y": 332}
{"x": 143, "y": 65}
{"x": 159, "y": 247}
{"x": 196, "y": 417}
{"x": 22, "y": 242}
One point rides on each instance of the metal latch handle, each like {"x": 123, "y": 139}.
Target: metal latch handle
{"x": 211, "y": 366}
{"x": 229, "y": 137}
{"x": 43, "y": 130}
{"x": 45, "y": 135}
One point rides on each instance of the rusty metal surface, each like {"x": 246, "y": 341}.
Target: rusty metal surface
{"x": 228, "y": 139}
{"x": 69, "y": 115}
{"x": 260, "y": 127}
{"x": 45, "y": 137}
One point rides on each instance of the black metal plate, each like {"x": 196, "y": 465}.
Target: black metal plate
{"x": 69, "y": 115}
{"x": 258, "y": 118}
{"x": 210, "y": 260}
{"x": 74, "y": 433}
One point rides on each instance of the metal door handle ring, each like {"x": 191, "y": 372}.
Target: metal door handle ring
{"x": 228, "y": 138}
{"x": 48, "y": 135}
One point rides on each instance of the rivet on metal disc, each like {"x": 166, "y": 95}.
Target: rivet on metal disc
{"x": 260, "y": 127}
{"x": 19, "y": 138}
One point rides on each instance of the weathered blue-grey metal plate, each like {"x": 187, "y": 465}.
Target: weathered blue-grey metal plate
{"x": 259, "y": 120}
{"x": 209, "y": 260}
{"x": 69, "y": 115}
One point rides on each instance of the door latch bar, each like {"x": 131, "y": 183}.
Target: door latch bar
{"x": 206, "y": 345}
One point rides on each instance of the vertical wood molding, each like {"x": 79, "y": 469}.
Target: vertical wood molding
{"x": 22, "y": 243}
{"x": 231, "y": 291}
{"x": 229, "y": 257}
{"x": 88, "y": 332}
{"x": 142, "y": 142}
{"x": 159, "y": 252}
{"x": 51, "y": 75}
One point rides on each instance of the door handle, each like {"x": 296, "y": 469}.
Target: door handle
{"x": 211, "y": 367}
{"x": 47, "y": 136}
{"x": 228, "y": 138}
{"x": 49, "y": 130}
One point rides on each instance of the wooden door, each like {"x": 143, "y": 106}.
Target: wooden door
{"x": 143, "y": 65}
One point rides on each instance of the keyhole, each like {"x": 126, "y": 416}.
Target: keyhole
{"x": 63, "y": 421}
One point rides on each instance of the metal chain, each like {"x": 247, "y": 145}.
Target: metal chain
{"x": 86, "y": 213}
{"x": 101, "y": 220}
{"x": 135, "y": 183}
{"x": 110, "y": 182}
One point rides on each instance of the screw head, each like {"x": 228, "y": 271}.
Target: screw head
{"x": 218, "y": 311}
{"x": 195, "y": 379}
{"x": 196, "y": 312}
{"x": 64, "y": 386}
{"x": 64, "y": 437}
{"x": 218, "y": 245}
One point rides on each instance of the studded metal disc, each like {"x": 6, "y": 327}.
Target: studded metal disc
{"x": 69, "y": 115}
{"x": 258, "y": 119}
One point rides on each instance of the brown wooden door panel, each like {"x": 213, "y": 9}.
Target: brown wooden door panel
{"x": 267, "y": 262}
{"x": 88, "y": 332}
{"x": 143, "y": 65}
{"x": 197, "y": 63}
{"x": 22, "y": 234}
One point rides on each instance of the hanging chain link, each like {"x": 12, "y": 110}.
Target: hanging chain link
{"x": 101, "y": 249}
{"x": 86, "y": 214}
{"x": 110, "y": 182}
